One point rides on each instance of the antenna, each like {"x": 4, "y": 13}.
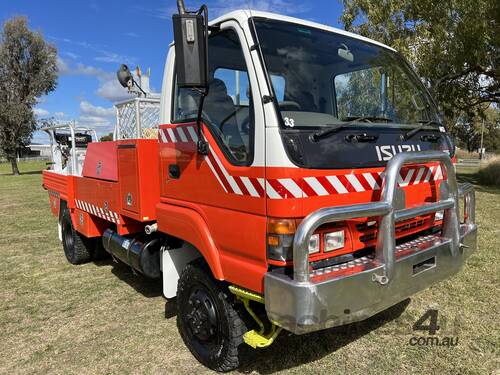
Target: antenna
{"x": 181, "y": 7}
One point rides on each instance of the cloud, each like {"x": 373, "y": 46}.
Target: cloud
{"x": 132, "y": 34}
{"x": 111, "y": 57}
{"x": 62, "y": 66}
{"x": 104, "y": 55}
{"x": 90, "y": 110}
{"x": 95, "y": 116}
{"x": 59, "y": 114}
{"x": 40, "y": 112}
{"x": 218, "y": 8}
{"x": 72, "y": 55}
{"x": 109, "y": 88}
{"x": 274, "y": 6}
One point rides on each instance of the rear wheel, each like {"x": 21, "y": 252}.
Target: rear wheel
{"x": 207, "y": 320}
{"x": 77, "y": 248}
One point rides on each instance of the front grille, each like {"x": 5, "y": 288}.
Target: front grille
{"x": 368, "y": 237}
{"x": 365, "y": 262}
{"x": 407, "y": 226}
{"x": 401, "y": 228}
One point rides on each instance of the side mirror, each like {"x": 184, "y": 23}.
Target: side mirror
{"x": 190, "y": 37}
{"x": 124, "y": 76}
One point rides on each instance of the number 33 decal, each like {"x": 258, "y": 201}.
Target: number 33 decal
{"x": 290, "y": 122}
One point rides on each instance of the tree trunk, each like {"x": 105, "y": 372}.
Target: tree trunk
{"x": 15, "y": 169}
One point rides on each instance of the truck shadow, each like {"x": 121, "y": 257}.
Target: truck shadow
{"x": 291, "y": 350}
{"x": 149, "y": 288}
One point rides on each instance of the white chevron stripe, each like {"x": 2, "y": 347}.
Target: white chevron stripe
{"x": 193, "y": 134}
{"x": 429, "y": 174}
{"x": 408, "y": 177}
{"x": 248, "y": 184}
{"x": 171, "y": 135}
{"x": 162, "y": 135}
{"x": 315, "y": 185}
{"x": 337, "y": 184}
{"x": 355, "y": 182}
{"x": 98, "y": 211}
{"x": 227, "y": 176}
{"x": 438, "y": 173}
{"x": 273, "y": 194}
{"x": 181, "y": 134}
{"x": 371, "y": 181}
{"x": 215, "y": 173}
{"x": 292, "y": 187}
{"x": 421, "y": 171}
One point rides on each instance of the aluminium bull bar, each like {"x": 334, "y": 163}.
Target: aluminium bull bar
{"x": 311, "y": 301}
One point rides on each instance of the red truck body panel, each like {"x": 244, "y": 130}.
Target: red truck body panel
{"x": 101, "y": 161}
{"x": 218, "y": 207}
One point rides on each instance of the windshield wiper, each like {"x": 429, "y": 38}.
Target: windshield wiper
{"x": 423, "y": 124}
{"x": 366, "y": 119}
{"x": 334, "y": 128}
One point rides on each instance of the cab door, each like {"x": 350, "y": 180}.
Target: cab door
{"x": 226, "y": 186}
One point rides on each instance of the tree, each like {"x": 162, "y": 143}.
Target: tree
{"x": 27, "y": 71}
{"x": 107, "y": 137}
{"x": 468, "y": 131}
{"x": 453, "y": 45}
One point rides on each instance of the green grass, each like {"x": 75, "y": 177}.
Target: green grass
{"x": 101, "y": 318}
{"x": 24, "y": 167}
{"x": 490, "y": 173}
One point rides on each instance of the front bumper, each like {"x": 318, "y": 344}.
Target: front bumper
{"x": 311, "y": 301}
{"x": 327, "y": 302}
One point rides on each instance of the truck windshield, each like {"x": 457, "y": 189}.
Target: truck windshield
{"x": 322, "y": 78}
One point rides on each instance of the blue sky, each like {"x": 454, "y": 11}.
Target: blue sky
{"x": 93, "y": 38}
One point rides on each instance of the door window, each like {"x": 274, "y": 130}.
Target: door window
{"x": 228, "y": 107}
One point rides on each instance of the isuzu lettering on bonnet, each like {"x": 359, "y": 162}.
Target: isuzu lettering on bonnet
{"x": 290, "y": 176}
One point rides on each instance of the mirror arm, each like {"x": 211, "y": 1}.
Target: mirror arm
{"x": 202, "y": 143}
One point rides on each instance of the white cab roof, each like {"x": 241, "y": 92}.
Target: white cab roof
{"x": 242, "y": 15}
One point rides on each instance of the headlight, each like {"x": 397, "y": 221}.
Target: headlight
{"x": 314, "y": 244}
{"x": 334, "y": 240}
{"x": 439, "y": 215}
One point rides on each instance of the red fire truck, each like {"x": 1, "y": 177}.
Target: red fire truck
{"x": 298, "y": 178}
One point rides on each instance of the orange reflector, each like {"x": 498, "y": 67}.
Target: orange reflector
{"x": 273, "y": 241}
{"x": 281, "y": 226}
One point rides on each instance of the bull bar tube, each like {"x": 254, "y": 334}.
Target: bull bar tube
{"x": 310, "y": 301}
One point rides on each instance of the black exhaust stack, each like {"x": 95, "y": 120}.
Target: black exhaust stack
{"x": 141, "y": 253}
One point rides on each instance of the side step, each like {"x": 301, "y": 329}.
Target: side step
{"x": 257, "y": 340}
{"x": 253, "y": 338}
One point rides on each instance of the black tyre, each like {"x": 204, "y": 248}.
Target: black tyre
{"x": 77, "y": 248}
{"x": 208, "y": 322}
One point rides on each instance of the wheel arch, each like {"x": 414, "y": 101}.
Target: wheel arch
{"x": 188, "y": 225}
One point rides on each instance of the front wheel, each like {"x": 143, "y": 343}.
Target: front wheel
{"x": 207, "y": 320}
{"x": 77, "y": 248}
